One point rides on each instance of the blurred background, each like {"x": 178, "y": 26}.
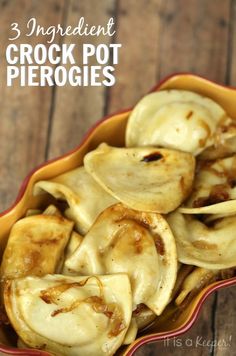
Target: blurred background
{"x": 158, "y": 37}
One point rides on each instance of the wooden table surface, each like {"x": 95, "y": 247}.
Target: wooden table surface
{"x": 158, "y": 37}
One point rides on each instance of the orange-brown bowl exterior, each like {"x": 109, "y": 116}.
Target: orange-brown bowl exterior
{"x": 111, "y": 130}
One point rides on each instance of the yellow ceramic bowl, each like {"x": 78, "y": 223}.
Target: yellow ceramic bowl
{"x": 111, "y": 129}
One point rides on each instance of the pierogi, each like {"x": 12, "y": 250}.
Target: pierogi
{"x": 214, "y": 188}
{"x": 31, "y": 241}
{"x": 137, "y": 243}
{"x": 86, "y": 198}
{"x": 144, "y": 179}
{"x": 195, "y": 281}
{"x": 210, "y": 247}
{"x": 84, "y": 315}
{"x": 176, "y": 119}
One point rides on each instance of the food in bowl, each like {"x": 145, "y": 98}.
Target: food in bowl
{"x": 118, "y": 244}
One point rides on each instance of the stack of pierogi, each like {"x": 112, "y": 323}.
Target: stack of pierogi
{"x": 143, "y": 226}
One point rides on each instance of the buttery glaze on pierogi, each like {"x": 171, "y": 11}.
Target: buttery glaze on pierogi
{"x": 106, "y": 263}
{"x": 137, "y": 243}
{"x": 145, "y": 178}
{"x": 85, "y": 198}
{"x": 84, "y": 315}
{"x": 176, "y": 119}
{"x": 31, "y": 241}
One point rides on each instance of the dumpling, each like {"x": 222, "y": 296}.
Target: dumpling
{"x": 137, "y": 243}
{"x": 51, "y": 210}
{"x": 176, "y": 119}
{"x": 86, "y": 198}
{"x": 72, "y": 245}
{"x": 214, "y": 189}
{"x": 183, "y": 272}
{"x": 35, "y": 245}
{"x": 145, "y": 179}
{"x": 196, "y": 281}
{"x": 224, "y": 145}
{"x": 70, "y": 315}
{"x": 210, "y": 247}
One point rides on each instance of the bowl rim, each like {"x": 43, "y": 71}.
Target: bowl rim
{"x": 206, "y": 292}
